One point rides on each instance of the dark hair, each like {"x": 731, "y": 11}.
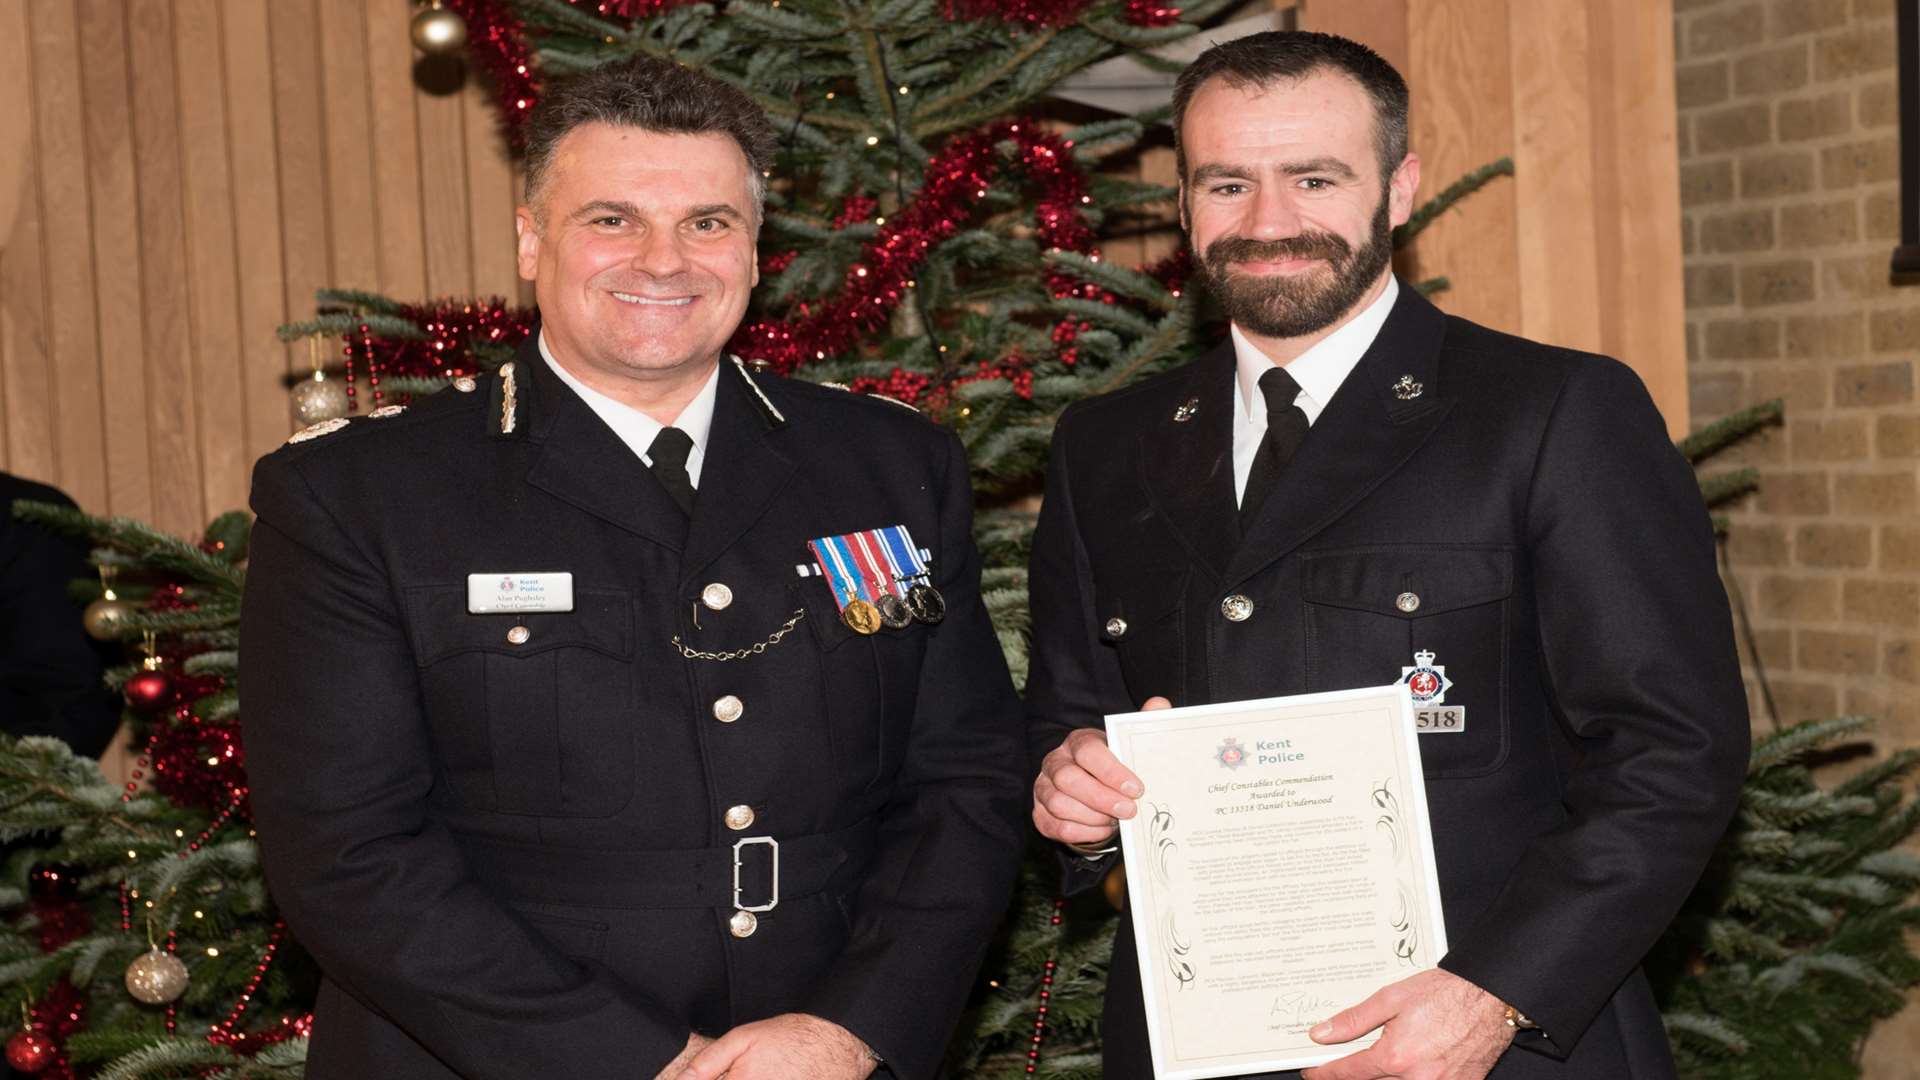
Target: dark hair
{"x": 1266, "y": 58}
{"x": 652, "y": 95}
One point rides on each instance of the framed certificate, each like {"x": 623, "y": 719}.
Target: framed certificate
{"x": 1280, "y": 869}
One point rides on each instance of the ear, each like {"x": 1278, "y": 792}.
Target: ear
{"x": 1401, "y": 189}
{"x": 526, "y": 235}
{"x": 1186, "y": 221}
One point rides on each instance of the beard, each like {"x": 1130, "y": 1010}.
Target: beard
{"x": 1295, "y": 305}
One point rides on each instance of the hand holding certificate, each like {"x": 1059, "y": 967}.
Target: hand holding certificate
{"x": 1280, "y": 869}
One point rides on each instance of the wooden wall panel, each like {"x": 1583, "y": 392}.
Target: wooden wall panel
{"x": 163, "y": 208}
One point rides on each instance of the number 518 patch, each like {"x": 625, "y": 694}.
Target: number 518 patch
{"x": 1440, "y": 720}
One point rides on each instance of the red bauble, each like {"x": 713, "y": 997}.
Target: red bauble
{"x": 150, "y": 690}
{"x": 30, "y": 1051}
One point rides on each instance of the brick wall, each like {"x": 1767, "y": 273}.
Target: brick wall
{"x": 1789, "y": 173}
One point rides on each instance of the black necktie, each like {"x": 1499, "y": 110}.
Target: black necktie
{"x": 669, "y": 456}
{"x": 1286, "y": 427}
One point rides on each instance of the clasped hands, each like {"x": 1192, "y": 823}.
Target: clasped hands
{"x": 777, "y": 1048}
{"x": 1438, "y": 1026}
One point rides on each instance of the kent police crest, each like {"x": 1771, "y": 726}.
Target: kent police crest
{"x": 1427, "y": 681}
{"x": 1230, "y": 755}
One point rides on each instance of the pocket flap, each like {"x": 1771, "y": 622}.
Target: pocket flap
{"x": 1437, "y": 579}
{"x": 1137, "y": 599}
{"x": 601, "y": 619}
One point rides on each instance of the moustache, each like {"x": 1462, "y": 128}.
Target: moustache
{"x": 1316, "y": 245}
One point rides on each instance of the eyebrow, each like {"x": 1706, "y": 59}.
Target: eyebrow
{"x": 1329, "y": 165}
{"x": 626, "y": 209}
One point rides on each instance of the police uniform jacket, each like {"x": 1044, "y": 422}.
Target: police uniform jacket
{"x": 509, "y": 839}
{"x": 1513, "y": 508}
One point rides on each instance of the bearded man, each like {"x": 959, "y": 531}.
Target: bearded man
{"x": 1354, "y": 478}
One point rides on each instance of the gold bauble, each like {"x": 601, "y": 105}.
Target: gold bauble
{"x": 157, "y": 978}
{"x": 105, "y": 617}
{"x": 1114, "y": 885}
{"x": 319, "y": 399}
{"x": 437, "y": 31}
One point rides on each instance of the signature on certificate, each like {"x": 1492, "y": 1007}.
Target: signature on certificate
{"x": 1300, "y": 1007}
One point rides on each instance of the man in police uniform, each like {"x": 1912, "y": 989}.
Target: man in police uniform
{"x": 1354, "y": 489}
{"x": 564, "y": 760}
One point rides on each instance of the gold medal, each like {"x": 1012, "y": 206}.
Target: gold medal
{"x": 861, "y": 617}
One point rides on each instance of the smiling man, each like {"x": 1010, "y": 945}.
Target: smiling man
{"x": 560, "y": 768}
{"x": 1355, "y": 489}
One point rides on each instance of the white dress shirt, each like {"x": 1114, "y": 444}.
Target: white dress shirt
{"x": 1319, "y": 371}
{"x": 636, "y": 428}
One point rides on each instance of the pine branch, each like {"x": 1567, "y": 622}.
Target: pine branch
{"x": 1730, "y": 429}
{"x": 1418, "y": 221}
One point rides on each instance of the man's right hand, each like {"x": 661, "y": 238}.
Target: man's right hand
{"x": 696, "y": 1042}
{"x": 1082, "y": 788}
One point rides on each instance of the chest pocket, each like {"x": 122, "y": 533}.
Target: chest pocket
{"x": 1140, "y": 615}
{"x": 870, "y": 684}
{"x": 1369, "y": 610}
{"x": 535, "y": 712}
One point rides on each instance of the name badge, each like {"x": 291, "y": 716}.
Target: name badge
{"x": 504, "y": 591}
{"x": 1440, "y": 720}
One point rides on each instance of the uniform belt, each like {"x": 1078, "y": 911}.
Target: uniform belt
{"x": 753, "y": 874}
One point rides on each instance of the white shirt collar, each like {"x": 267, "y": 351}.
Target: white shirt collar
{"x": 1321, "y": 369}
{"x": 636, "y": 428}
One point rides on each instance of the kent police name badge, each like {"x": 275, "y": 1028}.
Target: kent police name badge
{"x": 516, "y": 590}
{"x": 1428, "y": 684}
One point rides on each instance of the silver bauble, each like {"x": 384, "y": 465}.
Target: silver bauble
{"x": 437, "y": 31}
{"x": 319, "y": 398}
{"x": 157, "y": 977}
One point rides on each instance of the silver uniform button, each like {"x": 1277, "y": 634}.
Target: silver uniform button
{"x": 518, "y": 635}
{"x": 716, "y": 596}
{"x": 743, "y": 924}
{"x": 1407, "y": 602}
{"x": 1237, "y": 608}
{"x": 1116, "y": 627}
{"x": 728, "y": 709}
{"x": 739, "y": 817}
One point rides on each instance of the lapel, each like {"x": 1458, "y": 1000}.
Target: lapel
{"x": 743, "y": 470}
{"x": 579, "y": 460}
{"x": 1366, "y": 432}
{"x": 1188, "y": 464}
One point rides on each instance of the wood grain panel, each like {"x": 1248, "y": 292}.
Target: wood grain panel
{"x": 1381, "y": 25}
{"x": 1642, "y": 295}
{"x": 350, "y": 147}
{"x": 212, "y": 263}
{"x": 447, "y": 215}
{"x": 26, "y": 382}
{"x": 300, "y": 139}
{"x": 490, "y": 183}
{"x": 396, "y": 165}
{"x": 246, "y": 41}
{"x": 1459, "y": 80}
{"x": 1553, "y": 173}
{"x": 116, "y": 254}
{"x": 73, "y": 330}
{"x": 172, "y": 424}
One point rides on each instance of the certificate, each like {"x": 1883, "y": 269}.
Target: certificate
{"x": 1280, "y": 869}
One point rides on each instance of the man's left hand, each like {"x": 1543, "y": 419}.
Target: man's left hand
{"x": 784, "y": 1047}
{"x": 1439, "y": 1026}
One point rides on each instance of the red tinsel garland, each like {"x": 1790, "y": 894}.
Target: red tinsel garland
{"x": 497, "y": 41}
{"x": 957, "y": 180}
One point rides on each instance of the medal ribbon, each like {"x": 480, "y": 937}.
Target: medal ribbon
{"x": 831, "y": 553}
{"x": 867, "y": 548}
{"x": 902, "y": 553}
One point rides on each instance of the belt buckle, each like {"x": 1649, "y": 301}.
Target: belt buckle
{"x": 774, "y": 852}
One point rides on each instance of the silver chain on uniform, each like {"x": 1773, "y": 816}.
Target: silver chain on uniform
{"x": 742, "y": 654}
